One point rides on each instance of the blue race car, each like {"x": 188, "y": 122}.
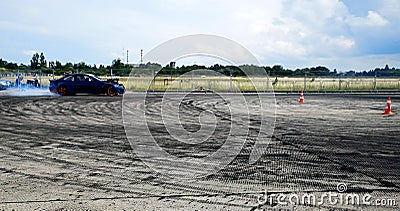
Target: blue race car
{"x": 85, "y": 83}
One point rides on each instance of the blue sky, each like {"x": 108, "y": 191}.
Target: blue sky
{"x": 342, "y": 35}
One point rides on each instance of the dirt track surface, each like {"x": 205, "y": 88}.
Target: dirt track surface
{"x": 72, "y": 153}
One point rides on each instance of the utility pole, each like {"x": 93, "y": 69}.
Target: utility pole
{"x": 127, "y": 56}
{"x": 141, "y": 56}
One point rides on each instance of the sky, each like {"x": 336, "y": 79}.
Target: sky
{"x": 339, "y": 34}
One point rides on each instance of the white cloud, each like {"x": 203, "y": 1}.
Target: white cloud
{"x": 373, "y": 19}
{"x": 340, "y": 42}
{"x": 29, "y": 52}
{"x": 297, "y": 30}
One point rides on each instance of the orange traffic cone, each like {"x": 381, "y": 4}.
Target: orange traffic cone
{"x": 301, "y": 97}
{"x": 388, "y": 109}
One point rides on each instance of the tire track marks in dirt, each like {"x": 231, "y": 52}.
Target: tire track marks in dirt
{"x": 56, "y": 133}
{"x": 350, "y": 140}
{"x": 79, "y": 143}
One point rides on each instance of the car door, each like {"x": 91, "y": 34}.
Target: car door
{"x": 68, "y": 82}
{"x": 93, "y": 85}
{"x": 80, "y": 85}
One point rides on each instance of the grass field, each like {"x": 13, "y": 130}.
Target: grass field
{"x": 245, "y": 84}
{"x": 281, "y": 84}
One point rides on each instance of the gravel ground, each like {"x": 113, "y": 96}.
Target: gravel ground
{"x": 72, "y": 153}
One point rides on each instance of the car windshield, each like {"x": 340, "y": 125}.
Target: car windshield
{"x": 68, "y": 78}
{"x": 95, "y": 77}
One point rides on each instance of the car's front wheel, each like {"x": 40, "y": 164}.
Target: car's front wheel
{"x": 62, "y": 90}
{"x": 111, "y": 91}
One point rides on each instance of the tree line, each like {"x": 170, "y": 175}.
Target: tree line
{"x": 39, "y": 64}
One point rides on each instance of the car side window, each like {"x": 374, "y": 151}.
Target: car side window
{"x": 69, "y": 78}
{"x": 79, "y": 78}
{"x": 87, "y": 78}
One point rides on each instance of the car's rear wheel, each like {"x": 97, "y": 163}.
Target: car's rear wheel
{"x": 111, "y": 91}
{"x": 62, "y": 90}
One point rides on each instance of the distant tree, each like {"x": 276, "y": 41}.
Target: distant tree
{"x": 51, "y": 65}
{"x": 22, "y": 67}
{"x": 350, "y": 73}
{"x": 58, "y": 65}
{"x": 277, "y": 70}
{"x": 42, "y": 62}
{"x": 68, "y": 67}
{"x": 117, "y": 64}
{"x": 268, "y": 69}
{"x": 3, "y": 63}
{"x": 214, "y": 67}
{"x": 81, "y": 66}
{"x": 35, "y": 61}
{"x": 11, "y": 66}
{"x": 387, "y": 67}
{"x": 319, "y": 71}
